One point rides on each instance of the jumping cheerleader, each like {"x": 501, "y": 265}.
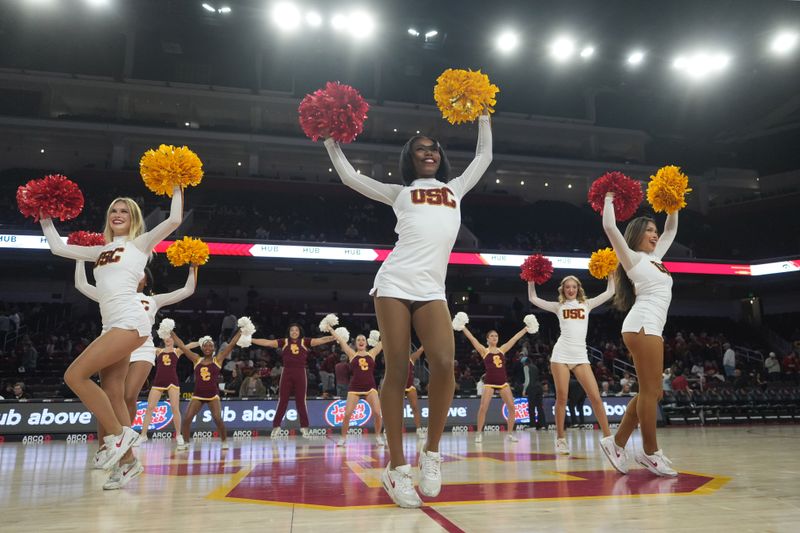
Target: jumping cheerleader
{"x": 118, "y": 270}
{"x": 569, "y": 352}
{"x": 207, "y": 370}
{"x": 294, "y": 379}
{"x": 411, "y": 392}
{"x": 143, "y": 358}
{"x": 644, "y": 291}
{"x": 409, "y": 290}
{"x": 496, "y": 378}
{"x": 362, "y": 384}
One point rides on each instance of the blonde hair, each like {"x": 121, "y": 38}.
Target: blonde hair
{"x": 137, "y": 221}
{"x": 581, "y": 297}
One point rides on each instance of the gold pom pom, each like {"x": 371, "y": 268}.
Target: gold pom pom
{"x": 169, "y": 166}
{"x": 187, "y": 251}
{"x": 462, "y": 95}
{"x": 603, "y": 263}
{"x": 667, "y": 189}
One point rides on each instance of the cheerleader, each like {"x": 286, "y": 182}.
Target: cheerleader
{"x": 142, "y": 359}
{"x": 411, "y": 392}
{"x": 496, "y": 378}
{"x": 569, "y": 352}
{"x": 644, "y": 291}
{"x": 362, "y": 384}
{"x": 118, "y": 270}
{"x": 409, "y": 291}
{"x": 294, "y": 379}
{"x": 166, "y": 380}
{"x": 207, "y": 370}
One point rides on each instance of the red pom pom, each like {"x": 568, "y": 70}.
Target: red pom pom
{"x": 627, "y": 194}
{"x": 53, "y": 196}
{"x": 536, "y": 268}
{"x": 337, "y": 111}
{"x": 86, "y": 238}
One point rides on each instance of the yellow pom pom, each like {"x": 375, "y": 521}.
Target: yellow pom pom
{"x": 169, "y": 166}
{"x": 187, "y": 251}
{"x": 667, "y": 189}
{"x": 603, "y": 263}
{"x": 462, "y": 95}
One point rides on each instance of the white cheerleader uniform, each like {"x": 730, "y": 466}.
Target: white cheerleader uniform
{"x": 573, "y": 321}
{"x": 150, "y": 304}
{"x": 652, "y": 284}
{"x": 428, "y": 219}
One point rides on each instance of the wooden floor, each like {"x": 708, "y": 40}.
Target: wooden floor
{"x": 732, "y": 478}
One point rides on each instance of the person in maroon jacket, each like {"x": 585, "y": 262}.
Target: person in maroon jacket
{"x": 294, "y": 380}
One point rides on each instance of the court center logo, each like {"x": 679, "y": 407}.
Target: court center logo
{"x": 520, "y": 410}
{"x": 334, "y": 413}
{"x": 162, "y": 416}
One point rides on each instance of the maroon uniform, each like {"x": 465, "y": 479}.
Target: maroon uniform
{"x": 410, "y": 380}
{"x": 206, "y": 380}
{"x": 166, "y": 371}
{"x": 362, "y": 370}
{"x": 495, "y": 366}
{"x": 294, "y": 353}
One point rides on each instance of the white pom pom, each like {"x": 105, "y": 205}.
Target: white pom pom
{"x": 328, "y": 322}
{"x": 246, "y": 326}
{"x": 460, "y": 320}
{"x": 245, "y": 341}
{"x": 531, "y": 323}
{"x": 374, "y": 337}
{"x": 342, "y": 334}
{"x": 202, "y": 340}
{"x": 165, "y": 328}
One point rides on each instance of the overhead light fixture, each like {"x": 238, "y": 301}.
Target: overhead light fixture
{"x": 209, "y": 7}
{"x": 286, "y": 16}
{"x": 361, "y": 24}
{"x": 497, "y": 180}
{"x": 701, "y": 64}
{"x": 562, "y": 48}
{"x": 313, "y": 19}
{"x": 635, "y": 58}
{"x": 522, "y": 182}
{"x": 431, "y": 34}
{"x": 338, "y": 22}
{"x": 784, "y": 42}
{"x": 507, "y": 41}
{"x": 225, "y": 10}
{"x": 587, "y": 52}
{"x": 412, "y": 32}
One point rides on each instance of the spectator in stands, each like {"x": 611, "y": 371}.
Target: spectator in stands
{"x": 627, "y": 379}
{"x": 466, "y": 383}
{"x": 19, "y": 391}
{"x": 729, "y": 360}
{"x": 601, "y": 372}
{"x": 772, "y": 367}
{"x": 342, "y": 372}
{"x": 666, "y": 379}
{"x": 625, "y": 391}
{"x": 680, "y": 383}
{"x": 251, "y": 385}
{"x": 790, "y": 366}
{"x": 605, "y": 389}
{"x": 228, "y": 325}
{"x": 740, "y": 380}
{"x": 30, "y": 355}
{"x": 5, "y": 326}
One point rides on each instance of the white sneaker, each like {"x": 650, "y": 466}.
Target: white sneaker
{"x": 380, "y": 440}
{"x": 616, "y": 455}
{"x": 275, "y": 432}
{"x": 180, "y": 441}
{"x": 430, "y": 473}
{"x": 420, "y": 433}
{"x": 100, "y": 458}
{"x": 118, "y": 445}
{"x": 658, "y": 463}
{"x": 561, "y": 447}
{"x": 341, "y": 442}
{"x": 479, "y": 438}
{"x": 512, "y": 438}
{"x": 399, "y": 484}
{"x": 304, "y": 432}
{"x": 225, "y": 444}
{"x": 122, "y": 474}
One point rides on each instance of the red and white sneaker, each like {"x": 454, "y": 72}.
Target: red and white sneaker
{"x": 430, "y": 473}
{"x": 616, "y": 455}
{"x": 118, "y": 445}
{"x": 100, "y": 458}
{"x": 657, "y": 463}
{"x": 562, "y": 448}
{"x": 122, "y": 474}
{"x": 399, "y": 484}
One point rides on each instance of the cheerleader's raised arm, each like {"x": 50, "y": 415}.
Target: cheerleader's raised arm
{"x": 483, "y": 158}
